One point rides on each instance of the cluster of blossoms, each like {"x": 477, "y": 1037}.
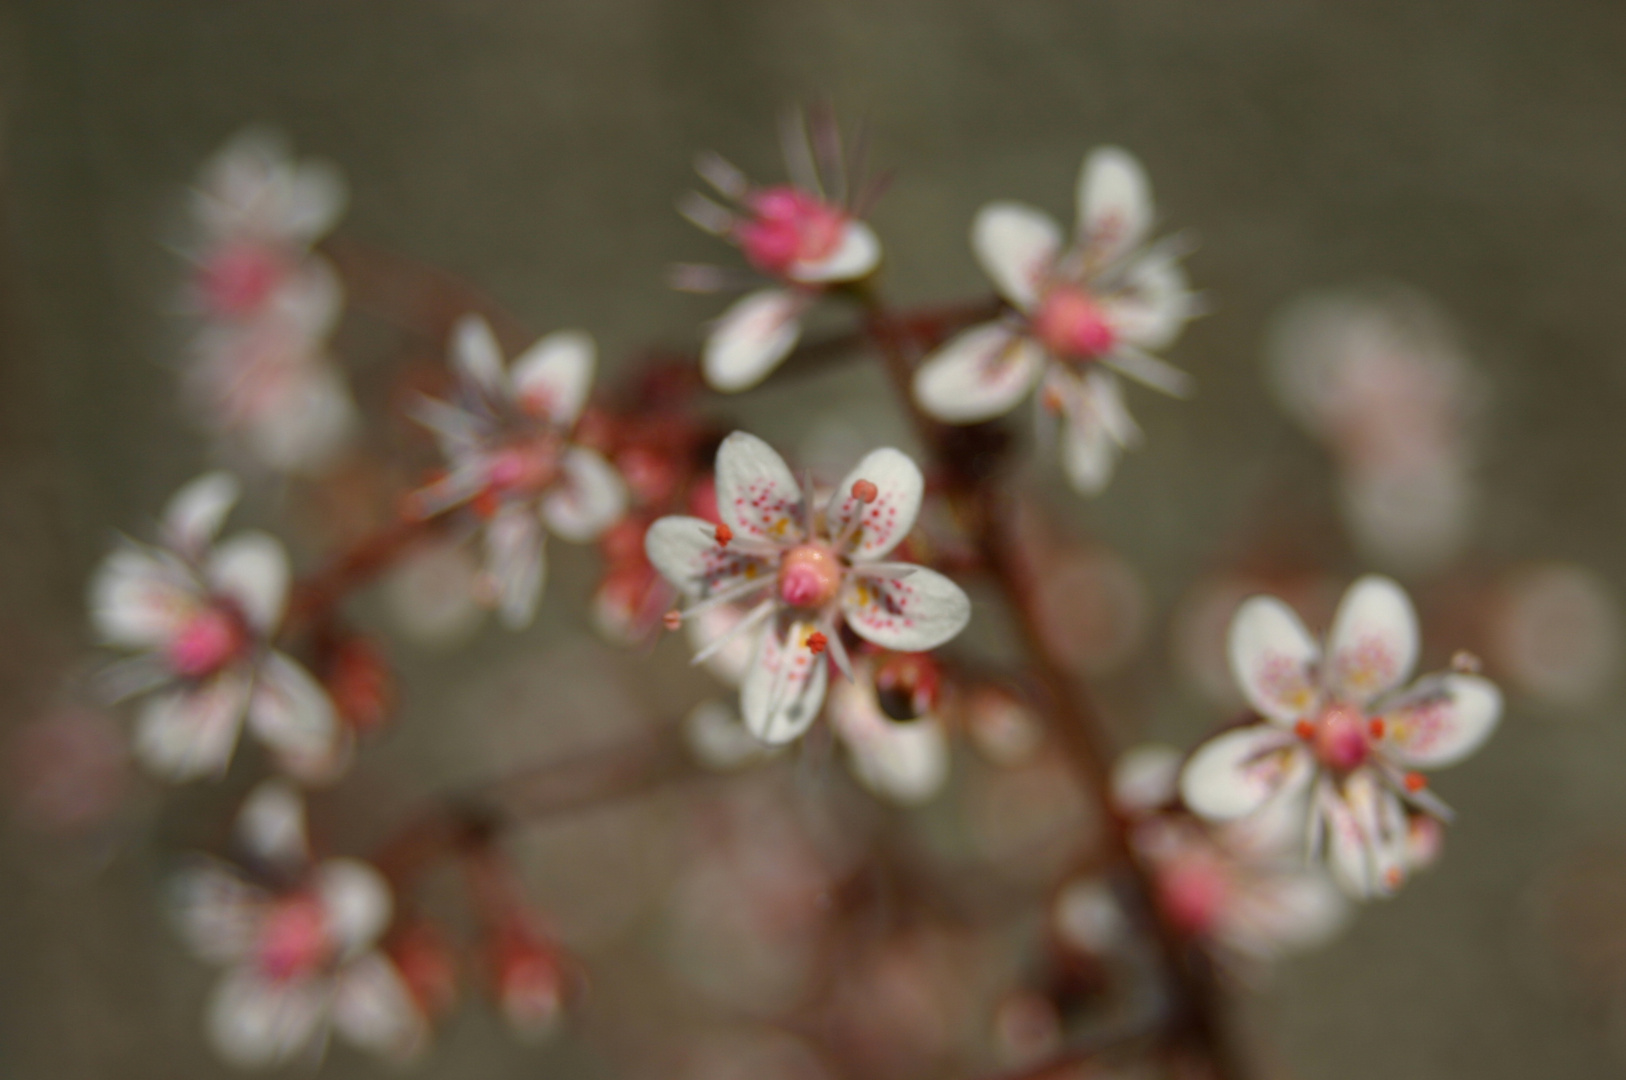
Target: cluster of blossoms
{"x": 266, "y": 305}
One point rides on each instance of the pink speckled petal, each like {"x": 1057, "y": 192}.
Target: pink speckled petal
{"x": 686, "y": 552}
{"x": 905, "y": 607}
{"x": 1237, "y": 772}
{"x": 1366, "y": 835}
{"x": 870, "y": 530}
{"x": 756, "y": 494}
{"x": 551, "y": 379}
{"x": 1017, "y": 246}
{"x": 978, "y": 374}
{"x": 1373, "y": 643}
{"x": 1446, "y": 721}
{"x": 784, "y": 687}
{"x": 752, "y": 338}
{"x": 1114, "y": 204}
{"x": 1273, "y": 660}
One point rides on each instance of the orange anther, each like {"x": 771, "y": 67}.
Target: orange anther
{"x": 673, "y": 619}
{"x": 1415, "y": 782}
{"x": 817, "y": 642}
{"x": 1465, "y": 663}
{"x": 865, "y": 492}
{"x": 1393, "y": 877}
{"x": 1304, "y": 730}
{"x": 1376, "y": 727}
{"x": 486, "y": 504}
{"x": 724, "y": 535}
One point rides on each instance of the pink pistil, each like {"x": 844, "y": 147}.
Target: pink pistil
{"x": 1193, "y": 893}
{"x": 208, "y": 642}
{"x": 809, "y": 576}
{"x": 1070, "y": 322}
{"x": 789, "y": 226}
{"x": 237, "y": 280}
{"x": 521, "y": 469}
{"x": 294, "y": 940}
{"x": 1340, "y": 738}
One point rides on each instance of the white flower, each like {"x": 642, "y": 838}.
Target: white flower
{"x": 202, "y": 617}
{"x": 906, "y": 761}
{"x": 805, "y": 236}
{"x": 1084, "y": 311}
{"x": 299, "y": 941}
{"x": 1339, "y": 735}
{"x": 509, "y": 454}
{"x": 804, "y": 574}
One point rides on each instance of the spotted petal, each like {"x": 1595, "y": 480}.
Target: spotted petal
{"x": 552, "y": 378}
{"x": 195, "y": 513}
{"x": 757, "y": 496}
{"x": 784, "y": 687}
{"x": 140, "y": 598}
{"x": 291, "y": 713}
{"x": 1373, "y": 642}
{"x": 255, "y": 1021}
{"x": 904, "y": 607}
{"x": 978, "y": 374}
{"x": 752, "y": 338}
{"x": 516, "y": 563}
{"x": 1017, "y": 245}
{"x": 857, "y": 253}
{"x": 686, "y": 552}
{"x": 1234, "y": 774}
{"x": 1153, "y": 303}
{"x": 589, "y": 499}
{"x": 1366, "y": 835}
{"x": 1114, "y": 204}
{"x": 252, "y": 570}
{"x": 189, "y": 732}
{"x": 1272, "y": 660}
{"x": 1446, "y": 720}
{"x": 882, "y": 523}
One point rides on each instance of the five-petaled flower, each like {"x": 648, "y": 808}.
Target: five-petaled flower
{"x": 1340, "y": 739}
{"x": 804, "y": 574}
{"x": 300, "y": 941}
{"x": 1082, "y": 312}
{"x": 202, "y": 617}
{"x": 508, "y": 445}
{"x": 805, "y": 236}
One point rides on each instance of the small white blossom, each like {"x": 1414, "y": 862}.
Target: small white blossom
{"x": 803, "y": 574}
{"x": 905, "y": 761}
{"x": 202, "y": 616}
{"x": 1339, "y": 734}
{"x": 1083, "y": 312}
{"x": 507, "y": 439}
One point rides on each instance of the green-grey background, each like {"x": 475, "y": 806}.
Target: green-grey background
{"x": 1476, "y": 150}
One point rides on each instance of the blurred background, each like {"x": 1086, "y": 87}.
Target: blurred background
{"x": 1458, "y": 165}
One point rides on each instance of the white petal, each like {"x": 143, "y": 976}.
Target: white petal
{"x": 254, "y": 1021}
{"x": 216, "y": 911}
{"x": 730, "y": 661}
{"x": 1450, "y": 720}
{"x": 195, "y": 513}
{"x": 757, "y": 496}
{"x": 1017, "y": 246}
{"x": 290, "y": 712}
{"x": 140, "y": 599}
{"x": 1149, "y": 370}
{"x": 1114, "y": 204}
{"x": 189, "y": 732}
{"x": 312, "y": 420}
{"x": 589, "y": 498}
{"x": 477, "y": 357}
{"x": 356, "y": 903}
{"x": 252, "y": 569}
{"x": 1096, "y": 426}
{"x": 315, "y": 201}
{"x": 686, "y": 552}
{"x": 552, "y": 378}
{"x": 905, "y": 762}
{"x": 1153, "y": 303}
{"x": 1373, "y": 642}
{"x": 905, "y": 607}
{"x": 1234, "y": 774}
{"x": 1272, "y": 660}
{"x": 784, "y": 687}
{"x": 883, "y": 523}
{"x": 1366, "y": 836}
{"x": 719, "y": 738}
{"x": 855, "y": 256}
{"x": 752, "y": 338}
{"x": 374, "y": 1010}
{"x": 978, "y": 374}
{"x": 310, "y": 301}
{"x": 271, "y": 823}
{"x": 515, "y": 563}
{"x": 1145, "y": 777}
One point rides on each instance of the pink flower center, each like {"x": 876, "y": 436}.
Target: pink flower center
{"x": 809, "y": 576}
{"x": 523, "y": 469}
{"x": 294, "y": 940}
{"x": 1194, "y": 893}
{"x": 1070, "y": 322}
{"x": 1340, "y": 738}
{"x": 789, "y": 226}
{"x": 208, "y": 642}
{"x": 237, "y": 280}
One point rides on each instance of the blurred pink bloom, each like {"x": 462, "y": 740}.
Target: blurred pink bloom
{"x": 299, "y": 941}
{"x": 806, "y": 575}
{"x": 510, "y": 457}
{"x": 806, "y": 236}
{"x": 1083, "y": 312}
{"x": 201, "y": 618}
{"x": 1339, "y": 734}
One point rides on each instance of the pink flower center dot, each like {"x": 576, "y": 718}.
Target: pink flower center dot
{"x": 523, "y": 469}
{"x": 294, "y": 940}
{"x": 1069, "y": 322}
{"x": 239, "y": 279}
{"x": 809, "y": 576}
{"x": 1194, "y": 894}
{"x": 789, "y": 226}
{"x": 1340, "y": 738}
{"x": 208, "y": 642}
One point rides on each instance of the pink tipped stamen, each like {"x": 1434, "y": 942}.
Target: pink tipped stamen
{"x": 209, "y": 641}
{"x": 1070, "y": 322}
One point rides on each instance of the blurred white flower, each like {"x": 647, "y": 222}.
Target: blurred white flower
{"x": 1084, "y": 313}
{"x": 903, "y": 759}
{"x": 507, "y": 440}
{"x": 1556, "y": 633}
{"x": 300, "y": 944}
{"x": 804, "y": 576}
{"x": 201, "y": 616}
{"x": 1339, "y": 734}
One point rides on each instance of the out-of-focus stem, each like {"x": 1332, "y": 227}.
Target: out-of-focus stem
{"x": 317, "y": 595}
